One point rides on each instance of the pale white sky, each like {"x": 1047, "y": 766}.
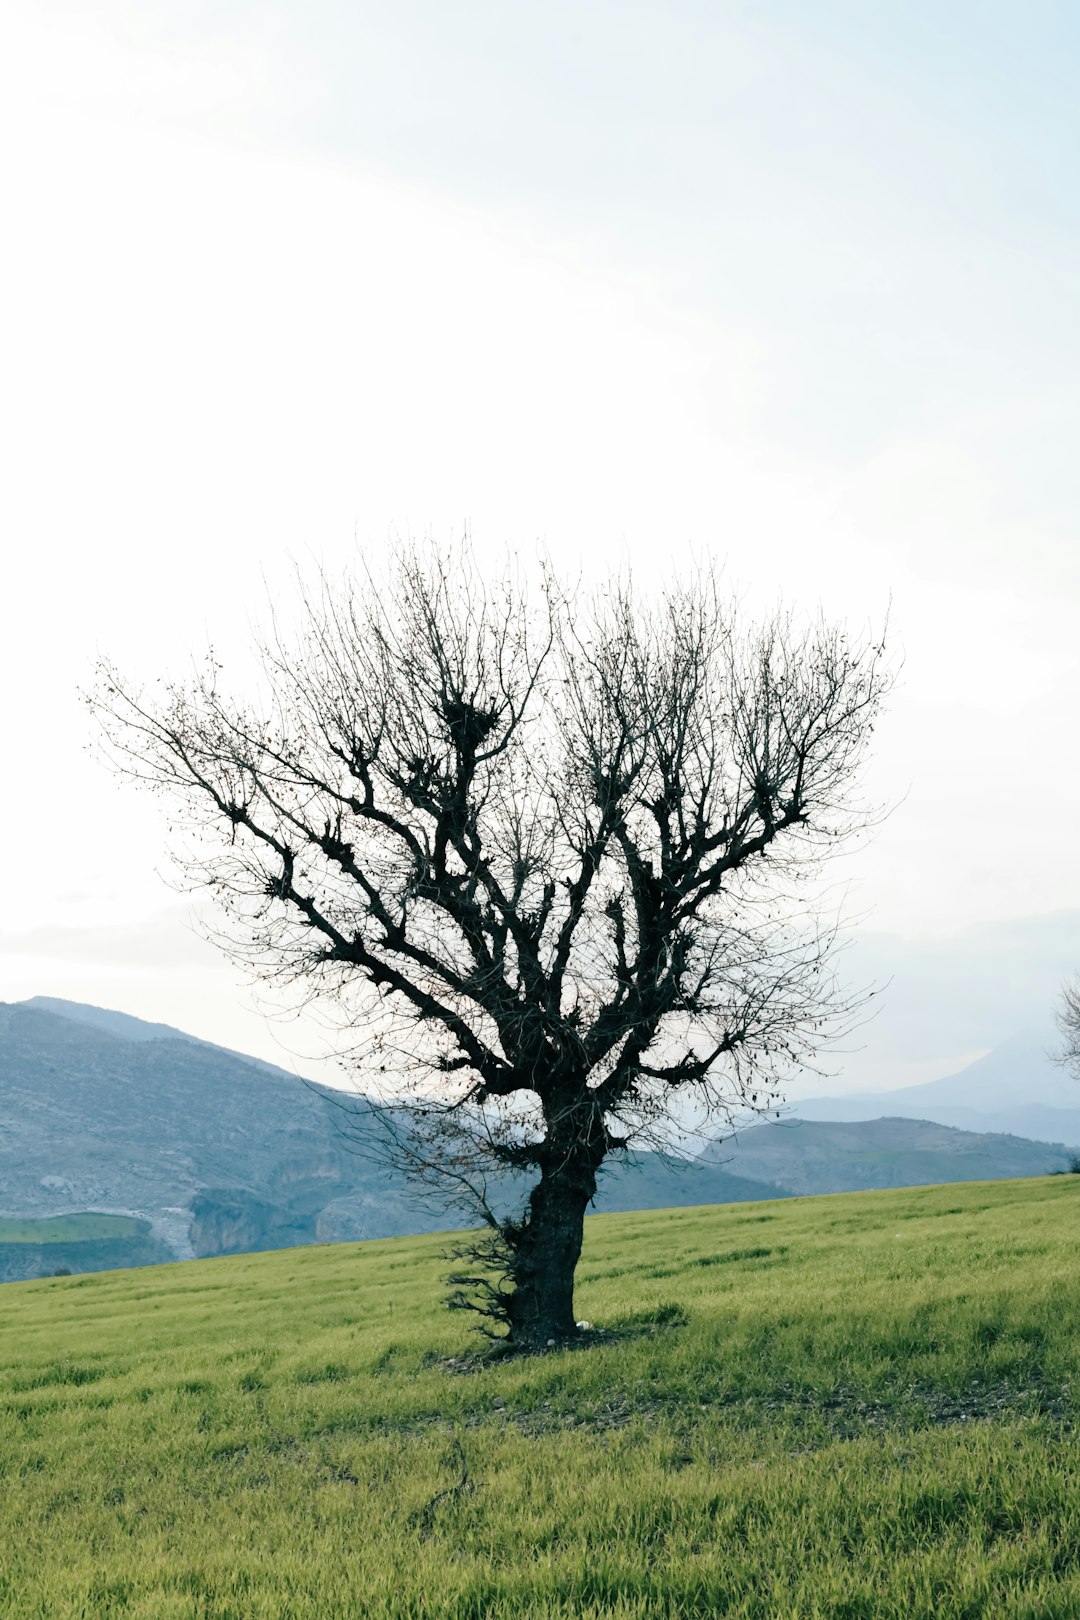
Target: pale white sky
{"x": 789, "y": 284}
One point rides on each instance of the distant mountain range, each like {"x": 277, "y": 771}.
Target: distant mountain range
{"x": 810, "y": 1156}
{"x": 159, "y": 1146}
{"x": 1016, "y": 1089}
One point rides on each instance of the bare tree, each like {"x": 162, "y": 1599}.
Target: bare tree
{"x": 1068, "y": 1023}
{"x": 546, "y": 852}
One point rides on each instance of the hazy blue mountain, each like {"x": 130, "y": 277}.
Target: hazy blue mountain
{"x": 208, "y": 1151}
{"x": 809, "y": 1156}
{"x": 1016, "y": 1088}
{"x": 111, "y": 1023}
{"x": 653, "y": 1181}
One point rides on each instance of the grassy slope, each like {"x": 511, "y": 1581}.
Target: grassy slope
{"x": 71, "y": 1229}
{"x": 868, "y": 1412}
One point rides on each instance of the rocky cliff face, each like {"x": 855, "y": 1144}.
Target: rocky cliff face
{"x": 230, "y": 1221}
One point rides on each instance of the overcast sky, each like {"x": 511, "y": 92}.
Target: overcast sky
{"x": 792, "y": 285}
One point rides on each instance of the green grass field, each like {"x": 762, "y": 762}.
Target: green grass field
{"x": 71, "y": 1229}
{"x": 857, "y": 1406}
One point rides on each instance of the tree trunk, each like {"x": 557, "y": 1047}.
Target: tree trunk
{"x": 546, "y": 1251}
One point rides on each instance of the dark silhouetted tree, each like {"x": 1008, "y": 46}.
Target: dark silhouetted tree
{"x": 555, "y": 856}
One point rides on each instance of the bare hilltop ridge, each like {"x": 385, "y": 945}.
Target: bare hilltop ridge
{"x": 124, "y": 1142}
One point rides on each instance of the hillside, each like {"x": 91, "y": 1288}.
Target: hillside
{"x": 803, "y": 1156}
{"x": 216, "y": 1151}
{"x": 207, "y": 1151}
{"x": 851, "y": 1408}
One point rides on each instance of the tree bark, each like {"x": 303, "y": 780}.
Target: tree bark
{"x": 546, "y": 1249}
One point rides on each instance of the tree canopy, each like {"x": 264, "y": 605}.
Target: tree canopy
{"x": 555, "y": 855}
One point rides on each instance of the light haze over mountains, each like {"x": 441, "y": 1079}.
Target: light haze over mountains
{"x": 787, "y": 287}
{"x": 1016, "y": 1089}
{"x": 941, "y": 1000}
